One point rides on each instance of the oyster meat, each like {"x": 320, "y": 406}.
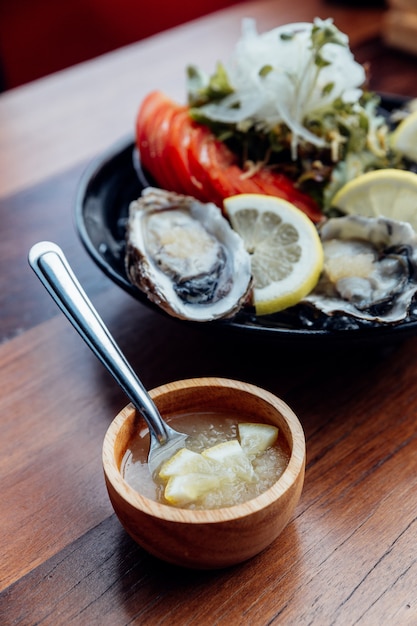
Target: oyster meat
{"x": 185, "y": 256}
{"x": 370, "y": 269}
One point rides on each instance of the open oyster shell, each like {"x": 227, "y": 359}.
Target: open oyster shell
{"x": 370, "y": 269}
{"x": 185, "y": 256}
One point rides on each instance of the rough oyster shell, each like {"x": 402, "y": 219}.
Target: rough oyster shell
{"x": 185, "y": 256}
{"x": 370, "y": 269}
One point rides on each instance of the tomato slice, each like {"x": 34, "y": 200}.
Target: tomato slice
{"x": 216, "y": 160}
{"x": 277, "y": 184}
{"x": 197, "y": 162}
{"x": 182, "y": 129}
{"x": 175, "y": 156}
{"x": 153, "y": 138}
{"x": 149, "y": 104}
{"x": 162, "y": 141}
{"x": 213, "y": 164}
{"x": 146, "y": 136}
{"x": 163, "y": 133}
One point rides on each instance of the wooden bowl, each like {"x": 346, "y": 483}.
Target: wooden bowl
{"x": 215, "y": 538}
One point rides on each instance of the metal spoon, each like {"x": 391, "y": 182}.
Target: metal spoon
{"x": 53, "y": 270}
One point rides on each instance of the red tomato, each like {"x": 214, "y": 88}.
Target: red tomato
{"x": 215, "y": 159}
{"x": 178, "y": 155}
{"x": 146, "y": 135}
{"x": 276, "y": 184}
{"x": 186, "y": 157}
{"x": 161, "y": 125}
{"x": 200, "y": 167}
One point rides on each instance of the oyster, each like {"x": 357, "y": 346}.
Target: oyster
{"x": 370, "y": 269}
{"x": 185, "y": 256}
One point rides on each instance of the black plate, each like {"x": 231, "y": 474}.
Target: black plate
{"x": 108, "y": 186}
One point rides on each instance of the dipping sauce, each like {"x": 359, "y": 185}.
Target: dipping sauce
{"x": 238, "y": 478}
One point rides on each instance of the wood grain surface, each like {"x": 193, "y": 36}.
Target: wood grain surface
{"x": 349, "y": 555}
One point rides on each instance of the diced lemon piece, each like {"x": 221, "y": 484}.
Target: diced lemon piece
{"x": 186, "y": 488}
{"x": 256, "y": 438}
{"x": 388, "y": 192}
{"x": 184, "y": 461}
{"x": 285, "y": 248}
{"x": 190, "y": 476}
{"x": 232, "y": 456}
{"x": 404, "y": 137}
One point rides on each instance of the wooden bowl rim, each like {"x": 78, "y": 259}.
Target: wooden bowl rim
{"x": 166, "y": 512}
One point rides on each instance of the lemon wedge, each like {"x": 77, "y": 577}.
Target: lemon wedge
{"x": 286, "y": 251}
{"x": 388, "y": 192}
{"x": 256, "y": 438}
{"x": 404, "y": 137}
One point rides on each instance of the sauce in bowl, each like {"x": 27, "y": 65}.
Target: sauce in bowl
{"x": 222, "y": 485}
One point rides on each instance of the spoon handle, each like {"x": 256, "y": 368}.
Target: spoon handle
{"x": 50, "y": 265}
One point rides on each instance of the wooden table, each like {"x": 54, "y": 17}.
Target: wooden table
{"x": 349, "y": 555}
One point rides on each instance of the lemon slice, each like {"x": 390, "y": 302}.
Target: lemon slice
{"x": 388, "y": 192}
{"x": 286, "y": 252}
{"x": 256, "y": 438}
{"x": 404, "y": 137}
{"x": 232, "y": 456}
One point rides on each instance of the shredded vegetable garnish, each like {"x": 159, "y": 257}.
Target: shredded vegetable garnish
{"x": 292, "y": 97}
